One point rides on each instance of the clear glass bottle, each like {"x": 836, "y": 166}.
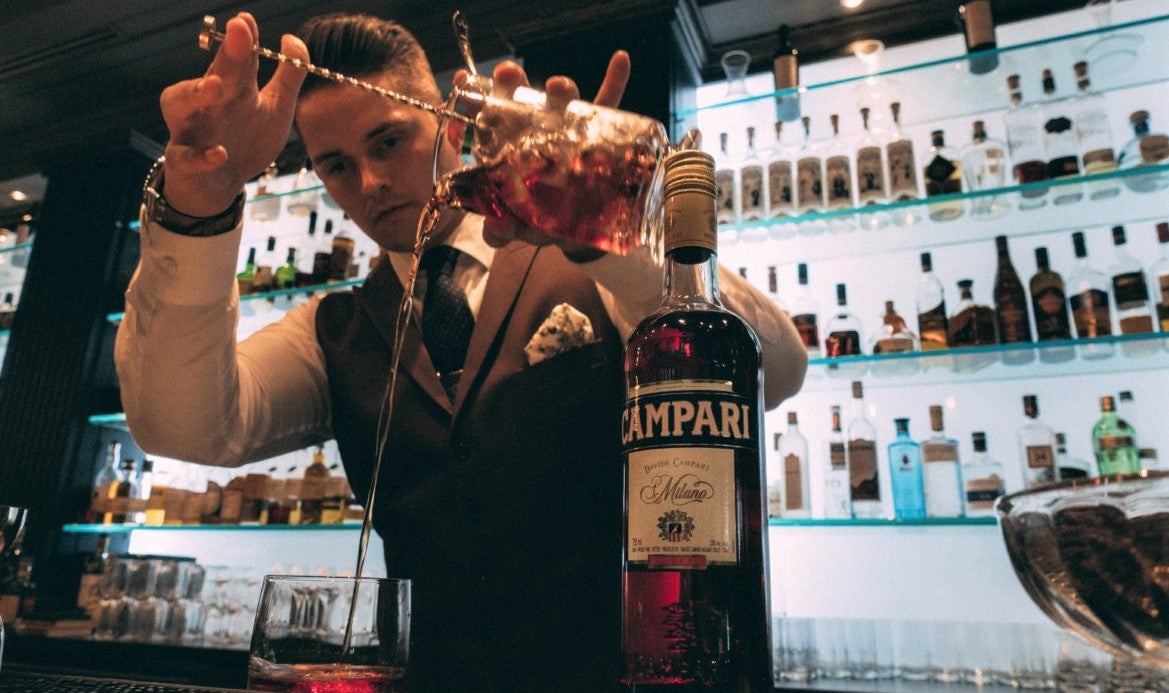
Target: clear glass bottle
{"x": 861, "y": 450}
{"x": 838, "y": 171}
{"x": 1130, "y": 291}
{"x": 804, "y": 313}
{"x": 1061, "y": 142}
{"x": 1128, "y": 411}
{"x": 1025, "y": 140}
{"x": 724, "y": 181}
{"x": 785, "y": 67}
{"x": 120, "y": 495}
{"x": 894, "y": 336}
{"x": 984, "y": 163}
{"x": 106, "y": 476}
{"x": 1010, "y": 303}
{"x": 837, "y": 498}
{"x": 1050, "y": 304}
{"x": 1146, "y": 148}
{"x": 305, "y": 188}
{"x": 1069, "y": 467}
{"x": 844, "y": 329}
{"x": 780, "y": 185}
{"x": 751, "y": 205}
{"x": 773, "y": 288}
{"x": 809, "y": 173}
{"x": 264, "y": 206}
{"x": 932, "y": 322}
{"x": 1036, "y": 446}
{"x": 1088, "y": 296}
{"x": 1160, "y": 275}
{"x": 793, "y": 456}
{"x": 1113, "y": 442}
{"x": 983, "y": 479}
{"x": 1095, "y": 135}
{"x": 972, "y": 324}
{"x": 341, "y": 252}
{"x": 306, "y": 250}
{"x": 905, "y": 474}
{"x": 941, "y": 470}
{"x": 943, "y": 176}
{"x": 323, "y": 256}
{"x": 870, "y": 167}
{"x": 775, "y": 479}
{"x": 899, "y": 157}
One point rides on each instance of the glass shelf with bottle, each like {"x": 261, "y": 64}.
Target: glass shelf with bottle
{"x": 881, "y": 522}
{"x": 87, "y": 528}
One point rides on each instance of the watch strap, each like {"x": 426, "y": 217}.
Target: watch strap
{"x": 159, "y": 211}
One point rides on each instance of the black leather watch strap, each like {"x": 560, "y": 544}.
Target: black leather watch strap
{"x": 161, "y": 213}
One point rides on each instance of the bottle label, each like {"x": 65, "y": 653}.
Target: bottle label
{"x": 939, "y": 452}
{"x": 1163, "y": 282}
{"x": 809, "y": 332}
{"x": 1114, "y": 442}
{"x": 724, "y": 183}
{"x": 981, "y": 493}
{"x": 1099, "y": 160}
{"x": 1163, "y": 315}
{"x": 847, "y": 343}
{"x": 680, "y": 439}
{"x": 839, "y": 181}
{"x": 779, "y": 185}
{"x": 893, "y": 345}
{"x": 1136, "y": 324}
{"x": 810, "y": 182}
{"x": 1012, "y": 315}
{"x": 1040, "y": 457}
{"x": 1154, "y": 148}
{"x": 902, "y": 170}
{"x": 1063, "y": 166}
{"x": 751, "y": 191}
{"x": 836, "y": 456}
{"x": 1130, "y": 290}
{"x": 862, "y": 470}
{"x": 940, "y": 177}
{"x": 870, "y": 178}
{"x": 1091, "y": 314}
{"x": 932, "y": 326}
{"x": 1051, "y": 314}
{"x": 793, "y": 480}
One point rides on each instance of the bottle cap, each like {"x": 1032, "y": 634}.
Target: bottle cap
{"x": 1118, "y": 235}
{"x": 1041, "y": 259}
{"x": 965, "y": 284}
{"x": 858, "y": 389}
{"x": 1013, "y": 82}
{"x": 1107, "y": 403}
{"x": 835, "y": 417}
{"x": 978, "y": 438}
{"x": 791, "y": 418}
{"x": 689, "y": 173}
{"x": 1081, "y": 68}
{"x": 927, "y": 262}
{"x": 835, "y": 123}
{"x": 936, "y": 417}
{"x": 1125, "y": 395}
{"x": 902, "y": 425}
{"x": 1000, "y": 242}
{"x": 807, "y": 121}
{"x": 1138, "y": 117}
{"x": 895, "y": 107}
{"x": 938, "y": 137}
{"x": 841, "y": 295}
{"x": 1030, "y": 406}
{"x": 148, "y": 465}
{"x": 778, "y": 130}
{"x": 1061, "y": 438}
{"x": 889, "y": 307}
{"x": 802, "y": 273}
{"x": 1162, "y": 232}
{"x": 1078, "y": 244}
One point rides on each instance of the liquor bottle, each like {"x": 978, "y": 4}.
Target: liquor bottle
{"x": 106, "y": 476}
{"x": 1025, "y": 140}
{"x": 837, "y": 498}
{"x": 265, "y": 277}
{"x": 701, "y": 567}
{"x": 1036, "y": 446}
{"x": 341, "y": 252}
{"x": 793, "y": 456}
{"x": 941, "y": 470}
{"x": 724, "y": 179}
{"x": 1010, "y": 304}
{"x": 1130, "y": 290}
{"x": 1062, "y": 144}
{"x": 1069, "y": 467}
{"x": 231, "y": 508}
{"x": 751, "y": 207}
{"x": 303, "y": 200}
{"x": 265, "y": 206}
{"x": 312, "y": 489}
{"x": 286, "y": 273}
{"x": 773, "y": 288}
{"x": 984, "y": 163}
{"x": 870, "y": 167}
{"x": 1095, "y": 135}
{"x": 844, "y": 329}
{"x": 973, "y": 324}
{"x": 93, "y": 566}
{"x": 804, "y": 312}
{"x": 246, "y": 277}
{"x": 141, "y": 489}
{"x": 943, "y": 176}
{"x": 1146, "y": 148}
{"x": 306, "y": 251}
{"x": 899, "y": 157}
{"x": 1112, "y": 441}
{"x": 120, "y": 494}
{"x": 780, "y": 184}
{"x": 1160, "y": 274}
{"x": 838, "y": 170}
{"x": 323, "y": 257}
{"x": 785, "y": 67}
{"x": 1127, "y": 410}
{"x": 156, "y": 501}
{"x": 905, "y": 474}
{"x": 893, "y": 337}
{"x": 333, "y": 504}
{"x": 7, "y": 311}
{"x": 861, "y": 451}
{"x": 809, "y": 174}
{"x": 932, "y": 323}
{"x": 1049, "y": 302}
{"x": 1088, "y": 290}
{"x": 983, "y": 479}
{"x": 978, "y": 30}
{"x": 775, "y": 479}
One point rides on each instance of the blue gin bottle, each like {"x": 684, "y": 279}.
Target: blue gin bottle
{"x": 905, "y": 474}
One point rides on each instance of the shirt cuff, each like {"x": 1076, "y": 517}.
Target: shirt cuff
{"x": 187, "y": 270}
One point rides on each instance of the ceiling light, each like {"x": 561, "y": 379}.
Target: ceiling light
{"x": 851, "y": 4}
{"x": 18, "y": 195}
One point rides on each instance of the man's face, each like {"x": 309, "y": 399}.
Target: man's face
{"x": 374, "y": 157}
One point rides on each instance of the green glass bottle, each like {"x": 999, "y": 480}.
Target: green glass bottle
{"x": 286, "y": 273}
{"x": 1114, "y": 443}
{"x": 247, "y": 276}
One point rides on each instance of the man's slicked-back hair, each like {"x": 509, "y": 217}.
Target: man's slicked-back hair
{"x": 361, "y": 45}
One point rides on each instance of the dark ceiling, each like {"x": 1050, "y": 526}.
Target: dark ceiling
{"x": 74, "y": 72}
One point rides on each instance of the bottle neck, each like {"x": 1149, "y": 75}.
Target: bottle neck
{"x": 691, "y": 278}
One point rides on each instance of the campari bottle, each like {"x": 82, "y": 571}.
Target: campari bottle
{"x": 695, "y": 613}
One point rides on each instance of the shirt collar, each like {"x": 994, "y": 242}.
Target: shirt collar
{"x": 467, "y": 237}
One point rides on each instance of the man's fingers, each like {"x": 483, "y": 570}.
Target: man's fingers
{"x": 560, "y": 90}
{"x": 616, "y": 78}
{"x": 235, "y": 62}
{"x": 506, "y": 77}
{"x": 285, "y": 83}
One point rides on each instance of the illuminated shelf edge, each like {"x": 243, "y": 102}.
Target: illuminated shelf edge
{"x": 848, "y": 522}
{"x": 80, "y": 528}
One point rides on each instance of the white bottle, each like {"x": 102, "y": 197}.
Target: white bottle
{"x": 941, "y": 470}
{"x": 837, "y": 501}
{"x": 793, "y": 457}
{"x": 863, "y": 474}
{"x": 1036, "y": 446}
{"x": 724, "y": 181}
{"x": 751, "y": 190}
{"x": 983, "y": 480}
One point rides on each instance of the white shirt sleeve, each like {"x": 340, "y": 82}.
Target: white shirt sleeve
{"x": 188, "y": 389}
{"x": 631, "y": 289}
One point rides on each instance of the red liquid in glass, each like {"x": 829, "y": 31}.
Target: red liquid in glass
{"x": 327, "y": 678}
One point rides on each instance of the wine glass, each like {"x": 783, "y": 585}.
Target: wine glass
{"x": 12, "y": 521}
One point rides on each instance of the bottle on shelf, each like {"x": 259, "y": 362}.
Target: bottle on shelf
{"x": 809, "y": 173}
{"x": 1025, "y": 140}
{"x": 7, "y": 310}
{"x": 941, "y": 470}
{"x": 708, "y": 570}
{"x": 120, "y": 494}
{"x": 107, "y": 476}
{"x": 341, "y": 252}
{"x": 286, "y": 273}
{"x": 978, "y": 30}
{"x": 894, "y": 337}
{"x": 724, "y": 180}
{"x": 246, "y": 277}
{"x": 932, "y": 323}
{"x": 972, "y": 324}
{"x": 1069, "y": 467}
{"x": 265, "y": 277}
{"x": 93, "y": 566}
{"x": 804, "y": 313}
{"x": 844, "y": 336}
{"x": 141, "y": 489}
{"x": 1146, "y": 148}
{"x": 1095, "y": 135}
{"x": 837, "y": 497}
{"x": 905, "y": 474}
{"x": 773, "y": 288}
{"x": 861, "y": 451}
{"x": 1127, "y": 410}
{"x": 1049, "y": 302}
{"x": 837, "y": 171}
{"x": 1160, "y": 275}
{"x": 156, "y": 501}
{"x": 1036, "y": 446}
{"x": 1130, "y": 291}
{"x": 1113, "y": 442}
{"x": 902, "y": 169}
{"x": 984, "y": 163}
{"x": 1010, "y": 304}
{"x": 265, "y": 206}
{"x": 775, "y": 479}
{"x": 306, "y": 251}
{"x": 1088, "y": 296}
{"x": 943, "y": 176}
{"x": 1062, "y": 144}
{"x": 303, "y": 200}
{"x": 231, "y": 508}
{"x": 870, "y": 167}
{"x": 323, "y": 256}
{"x": 333, "y": 504}
{"x": 780, "y": 185}
{"x": 313, "y": 488}
{"x": 785, "y": 67}
{"x": 751, "y": 207}
{"x": 793, "y": 456}
{"x": 983, "y": 479}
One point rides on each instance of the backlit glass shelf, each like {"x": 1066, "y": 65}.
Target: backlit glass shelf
{"x": 881, "y": 522}
{"x": 282, "y": 299}
{"x": 115, "y": 421}
{"x": 16, "y": 248}
{"x": 80, "y": 528}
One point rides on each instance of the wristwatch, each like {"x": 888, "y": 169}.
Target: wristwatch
{"x": 161, "y": 213}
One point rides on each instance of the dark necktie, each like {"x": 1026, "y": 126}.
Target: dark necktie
{"x": 446, "y": 318}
